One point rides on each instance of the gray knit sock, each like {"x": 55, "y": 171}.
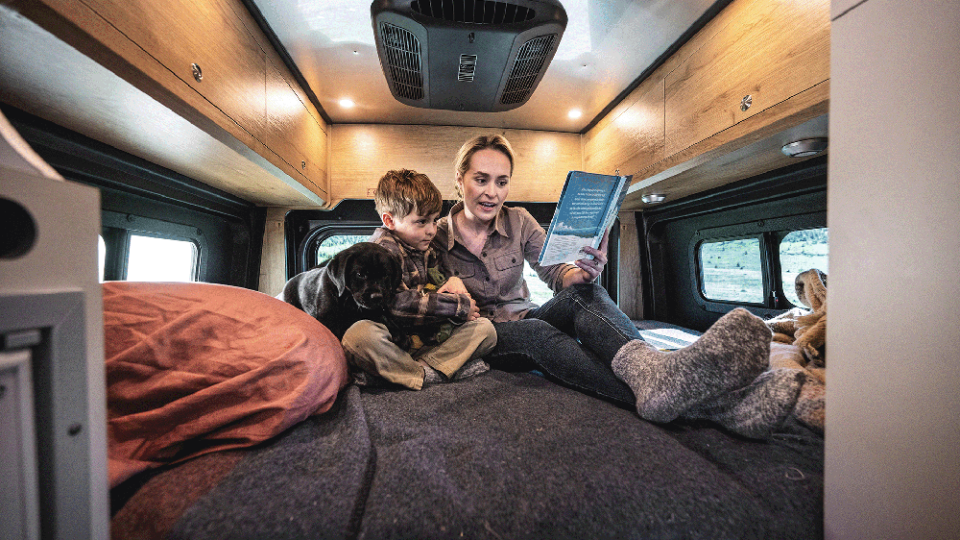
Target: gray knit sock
{"x": 471, "y": 369}
{"x": 729, "y": 355}
{"x": 755, "y": 410}
{"x": 432, "y": 376}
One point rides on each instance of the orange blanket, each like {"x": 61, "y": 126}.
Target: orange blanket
{"x": 193, "y": 368}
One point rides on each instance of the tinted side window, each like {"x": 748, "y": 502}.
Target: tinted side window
{"x": 332, "y": 245}
{"x": 731, "y": 270}
{"x": 800, "y": 251}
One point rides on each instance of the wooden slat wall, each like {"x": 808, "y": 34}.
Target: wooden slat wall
{"x": 360, "y": 154}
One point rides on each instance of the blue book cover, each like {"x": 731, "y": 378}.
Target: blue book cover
{"x": 588, "y": 206}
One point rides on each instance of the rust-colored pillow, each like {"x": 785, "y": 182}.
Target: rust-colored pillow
{"x": 194, "y": 368}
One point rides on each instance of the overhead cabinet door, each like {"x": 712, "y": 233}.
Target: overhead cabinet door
{"x": 205, "y": 45}
{"x": 293, "y": 132}
{"x": 769, "y": 51}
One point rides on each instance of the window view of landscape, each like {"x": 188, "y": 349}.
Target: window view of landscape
{"x": 161, "y": 259}
{"x": 539, "y": 291}
{"x": 335, "y": 244}
{"x": 800, "y": 251}
{"x": 731, "y": 270}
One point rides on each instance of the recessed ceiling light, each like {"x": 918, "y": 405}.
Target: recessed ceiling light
{"x": 346, "y": 103}
{"x": 653, "y": 198}
{"x": 574, "y": 114}
{"x": 805, "y": 147}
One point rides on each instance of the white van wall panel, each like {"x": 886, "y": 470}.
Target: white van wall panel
{"x": 19, "y": 503}
{"x": 62, "y": 264}
{"x": 839, "y": 7}
{"x": 893, "y": 401}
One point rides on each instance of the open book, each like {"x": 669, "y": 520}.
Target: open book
{"x": 588, "y": 206}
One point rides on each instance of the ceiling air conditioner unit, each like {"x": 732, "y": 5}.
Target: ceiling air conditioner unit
{"x": 466, "y": 55}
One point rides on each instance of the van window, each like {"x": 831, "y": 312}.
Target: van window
{"x": 161, "y": 259}
{"x": 539, "y": 291}
{"x": 332, "y": 245}
{"x": 800, "y": 251}
{"x": 731, "y": 270}
{"x": 101, "y": 256}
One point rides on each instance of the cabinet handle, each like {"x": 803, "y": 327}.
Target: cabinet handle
{"x": 303, "y": 164}
{"x": 197, "y": 72}
{"x": 746, "y": 102}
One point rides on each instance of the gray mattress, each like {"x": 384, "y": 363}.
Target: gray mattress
{"x": 498, "y": 456}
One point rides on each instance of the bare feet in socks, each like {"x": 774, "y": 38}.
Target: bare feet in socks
{"x": 729, "y": 355}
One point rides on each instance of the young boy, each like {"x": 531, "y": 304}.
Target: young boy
{"x": 445, "y": 327}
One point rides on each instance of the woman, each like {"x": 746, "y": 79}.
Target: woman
{"x": 580, "y": 337}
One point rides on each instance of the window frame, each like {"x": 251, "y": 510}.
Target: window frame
{"x": 770, "y": 233}
{"x": 308, "y": 255}
{"x": 117, "y": 228}
{"x": 780, "y": 236}
{"x": 701, "y": 282}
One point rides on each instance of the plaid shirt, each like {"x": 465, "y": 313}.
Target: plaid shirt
{"x": 414, "y": 304}
{"x": 495, "y": 279}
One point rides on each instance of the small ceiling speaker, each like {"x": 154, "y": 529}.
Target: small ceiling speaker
{"x": 466, "y": 55}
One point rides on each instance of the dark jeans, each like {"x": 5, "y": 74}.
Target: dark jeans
{"x": 572, "y": 339}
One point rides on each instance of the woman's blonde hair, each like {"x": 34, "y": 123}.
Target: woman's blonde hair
{"x": 474, "y": 145}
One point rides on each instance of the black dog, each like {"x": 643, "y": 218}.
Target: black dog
{"x": 358, "y": 283}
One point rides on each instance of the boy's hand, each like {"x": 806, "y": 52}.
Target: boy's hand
{"x": 454, "y": 285}
{"x": 474, "y": 311}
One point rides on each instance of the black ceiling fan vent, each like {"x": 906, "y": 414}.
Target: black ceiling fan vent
{"x": 474, "y": 11}
{"x": 402, "y": 52}
{"x": 466, "y": 55}
{"x": 528, "y": 66}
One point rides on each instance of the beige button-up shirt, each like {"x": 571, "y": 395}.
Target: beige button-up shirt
{"x": 495, "y": 279}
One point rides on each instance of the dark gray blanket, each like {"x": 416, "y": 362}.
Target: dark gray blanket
{"x": 499, "y": 456}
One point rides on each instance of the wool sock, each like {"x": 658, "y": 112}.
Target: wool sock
{"x": 430, "y": 375}
{"x": 470, "y": 369}
{"x": 755, "y": 410}
{"x": 729, "y": 355}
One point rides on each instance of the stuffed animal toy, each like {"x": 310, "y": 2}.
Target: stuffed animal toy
{"x": 800, "y": 342}
{"x": 811, "y": 332}
{"x": 806, "y": 329}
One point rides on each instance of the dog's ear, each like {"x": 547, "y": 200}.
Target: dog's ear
{"x": 336, "y": 270}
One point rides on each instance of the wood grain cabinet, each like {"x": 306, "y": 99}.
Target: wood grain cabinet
{"x": 293, "y": 131}
{"x": 716, "y": 110}
{"x": 205, "y": 45}
{"x": 181, "y": 83}
{"x": 631, "y": 137}
{"x": 766, "y": 52}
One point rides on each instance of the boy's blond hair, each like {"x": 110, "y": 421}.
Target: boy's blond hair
{"x": 401, "y": 192}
